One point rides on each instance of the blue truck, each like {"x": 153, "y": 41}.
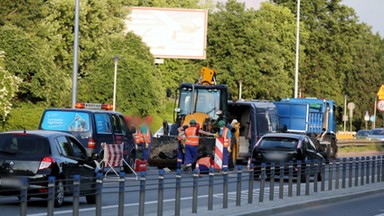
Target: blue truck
{"x": 312, "y": 116}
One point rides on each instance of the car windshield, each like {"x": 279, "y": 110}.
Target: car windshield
{"x": 278, "y": 142}
{"x": 363, "y": 133}
{"x": 23, "y": 144}
{"x": 378, "y": 132}
{"x": 204, "y": 101}
{"x": 66, "y": 121}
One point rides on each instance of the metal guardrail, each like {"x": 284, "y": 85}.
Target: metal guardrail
{"x": 359, "y": 142}
{"x": 334, "y": 175}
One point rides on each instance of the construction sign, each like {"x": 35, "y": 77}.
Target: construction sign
{"x": 380, "y": 93}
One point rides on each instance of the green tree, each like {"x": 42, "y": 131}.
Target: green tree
{"x": 253, "y": 46}
{"x": 9, "y": 85}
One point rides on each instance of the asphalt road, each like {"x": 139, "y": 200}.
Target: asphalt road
{"x": 367, "y": 206}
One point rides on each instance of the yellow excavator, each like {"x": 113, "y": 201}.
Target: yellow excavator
{"x": 206, "y": 102}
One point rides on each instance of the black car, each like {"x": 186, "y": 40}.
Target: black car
{"x": 92, "y": 125}
{"x": 285, "y": 147}
{"x": 39, "y": 154}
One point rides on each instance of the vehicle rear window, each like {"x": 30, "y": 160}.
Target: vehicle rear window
{"x": 66, "y": 121}
{"x": 24, "y": 144}
{"x": 278, "y": 142}
{"x": 103, "y": 123}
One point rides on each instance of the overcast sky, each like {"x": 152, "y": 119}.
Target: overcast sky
{"x": 369, "y": 11}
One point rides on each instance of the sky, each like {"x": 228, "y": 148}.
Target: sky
{"x": 368, "y": 11}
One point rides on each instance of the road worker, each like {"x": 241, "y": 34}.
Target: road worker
{"x": 147, "y": 137}
{"x": 181, "y": 146}
{"x": 226, "y": 134}
{"x": 192, "y": 143}
{"x": 137, "y": 135}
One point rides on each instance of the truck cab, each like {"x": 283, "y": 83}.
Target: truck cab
{"x": 314, "y": 117}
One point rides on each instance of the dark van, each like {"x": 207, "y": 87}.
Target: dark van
{"x": 91, "y": 127}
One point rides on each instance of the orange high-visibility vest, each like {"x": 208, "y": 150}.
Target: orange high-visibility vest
{"x": 191, "y": 137}
{"x": 138, "y": 136}
{"x": 224, "y": 135}
{"x": 205, "y": 161}
{"x": 147, "y": 137}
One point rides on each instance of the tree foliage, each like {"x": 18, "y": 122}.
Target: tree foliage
{"x": 338, "y": 54}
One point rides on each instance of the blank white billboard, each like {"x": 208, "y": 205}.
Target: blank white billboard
{"x": 171, "y": 32}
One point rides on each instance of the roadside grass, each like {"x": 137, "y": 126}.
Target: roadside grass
{"x": 370, "y": 148}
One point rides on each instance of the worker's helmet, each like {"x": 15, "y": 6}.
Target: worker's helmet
{"x": 192, "y": 122}
{"x": 221, "y": 123}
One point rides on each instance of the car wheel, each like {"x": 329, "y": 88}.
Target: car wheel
{"x": 131, "y": 163}
{"x": 59, "y": 194}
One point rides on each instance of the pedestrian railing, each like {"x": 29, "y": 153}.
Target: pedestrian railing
{"x": 248, "y": 184}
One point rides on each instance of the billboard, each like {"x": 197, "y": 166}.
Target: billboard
{"x": 171, "y": 32}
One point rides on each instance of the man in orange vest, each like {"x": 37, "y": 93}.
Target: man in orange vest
{"x": 227, "y": 136}
{"x": 137, "y": 135}
{"x": 192, "y": 143}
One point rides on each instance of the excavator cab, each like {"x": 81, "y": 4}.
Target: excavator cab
{"x": 201, "y": 102}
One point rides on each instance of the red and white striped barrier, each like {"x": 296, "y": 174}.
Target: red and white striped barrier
{"x": 218, "y": 160}
{"x": 113, "y": 155}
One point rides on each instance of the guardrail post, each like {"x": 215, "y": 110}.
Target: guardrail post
{"x": 210, "y": 188}
{"x": 142, "y": 193}
{"x": 368, "y": 162}
{"x": 290, "y": 177}
{"x": 330, "y": 174}
{"x": 238, "y": 186}
{"x": 195, "y": 188}
{"x": 178, "y": 192}
{"x": 76, "y": 194}
{"x": 160, "y": 193}
{"x": 51, "y": 195}
{"x": 298, "y": 180}
{"x": 373, "y": 169}
{"x": 250, "y": 183}
{"x": 23, "y": 196}
{"x": 225, "y": 188}
{"x": 121, "y": 193}
{"x": 378, "y": 168}
{"x": 307, "y": 175}
{"x": 272, "y": 182}
{"x": 281, "y": 183}
{"x": 344, "y": 173}
{"x": 337, "y": 177}
{"x": 382, "y": 168}
{"x": 357, "y": 165}
{"x": 99, "y": 186}
{"x": 322, "y": 175}
{"x": 362, "y": 170}
{"x": 262, "y": 182}
{"x": 316, "y": 178}
{"x": 350, "y": 177}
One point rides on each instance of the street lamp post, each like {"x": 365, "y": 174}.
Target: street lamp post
{"x": 297, "y": 50}
{"x": 75, "y": 54}
{"x": 116, "y": 60}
